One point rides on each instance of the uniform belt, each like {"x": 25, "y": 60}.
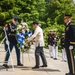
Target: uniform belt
{"x": 72, "y": 42}
{"x": 12, "y": 34}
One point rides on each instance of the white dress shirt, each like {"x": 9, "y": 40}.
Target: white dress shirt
{"x": 38, "y": 35}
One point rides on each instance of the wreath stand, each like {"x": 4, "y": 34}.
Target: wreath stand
{"x": 8, "y": 49}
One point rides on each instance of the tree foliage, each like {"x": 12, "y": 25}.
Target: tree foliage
{"x": 49, "y": 13}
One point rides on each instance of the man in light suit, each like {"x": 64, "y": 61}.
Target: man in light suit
{"x": 39, "y": 43}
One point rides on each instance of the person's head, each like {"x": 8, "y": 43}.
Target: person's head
{"x": 5, "y": 25}
{"x": 35, "y": 24}
{"x": 54, "y": 32}
{"x": 15, "y": 19}
{"x": 63, "y": 35}
{"x": 51, "y": 32}
{"x": 67, "y": 18}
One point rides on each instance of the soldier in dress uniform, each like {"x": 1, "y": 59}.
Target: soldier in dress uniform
{"x": 12, "y": 27}
{"x": 69, "y": 43}
{"x": 50, "y": 43}
{"x": 55, "y": 45}
{"x": 62, "y": 41}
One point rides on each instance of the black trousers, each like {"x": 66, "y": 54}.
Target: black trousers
{"x": 39, "y": 52}
{"x": 70, "y": 59}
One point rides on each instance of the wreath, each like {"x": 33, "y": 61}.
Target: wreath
{"x": 21, "y": 35}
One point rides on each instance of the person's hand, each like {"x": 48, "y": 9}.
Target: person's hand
{"x": 33, "y": 40}
{"x": 26, "y": 40}
{"x": 6, "y": 42}
{"x": 70, "y": 47}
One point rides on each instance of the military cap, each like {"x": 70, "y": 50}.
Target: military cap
{"x": 63, "y": 34}
{"x": 68, "y": 15}
{"x": 15, "y": 17}
{"x": 54, "y": 30}
{"x": 51, "y": 30}
{"x": 35, "y": 22}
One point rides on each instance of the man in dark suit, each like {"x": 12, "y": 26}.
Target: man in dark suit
{"x": 69, "y": 43}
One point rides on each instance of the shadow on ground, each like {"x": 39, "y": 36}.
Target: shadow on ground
{"x": 41, "y": 69}
{"x": 47, "y": 69}
{"x": 20, "y": 67}
{"x": 30, "y": 68}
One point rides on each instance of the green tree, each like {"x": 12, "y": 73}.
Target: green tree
{"x": 57, "y": 8}
{"x": 49, "y": 13}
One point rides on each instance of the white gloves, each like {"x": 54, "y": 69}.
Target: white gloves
{"x": 70, "y": 47}
{"x": 7, "y": 42}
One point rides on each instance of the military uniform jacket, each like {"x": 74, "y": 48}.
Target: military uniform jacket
{"x": 12, "y": 33}
{"x": 55, "y": 40}
{"x": 69, "y": 34}
{"x": 50, "y": 40}
{"x": 62, "y": 42}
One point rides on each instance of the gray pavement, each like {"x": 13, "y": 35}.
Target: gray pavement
{"x": 55, "y": 67}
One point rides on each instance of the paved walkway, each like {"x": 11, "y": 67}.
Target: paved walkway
{"x": 55, "y": 67}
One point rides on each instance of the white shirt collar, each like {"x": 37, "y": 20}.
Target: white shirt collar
{"x": 68, "y": 22}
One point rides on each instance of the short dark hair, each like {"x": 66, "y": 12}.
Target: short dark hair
{"x": 35, "y": 22}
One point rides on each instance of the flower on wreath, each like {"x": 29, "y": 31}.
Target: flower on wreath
{"x": 21, "y": 36}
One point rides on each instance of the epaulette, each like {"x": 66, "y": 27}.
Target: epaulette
{"x": 71, "y": 23}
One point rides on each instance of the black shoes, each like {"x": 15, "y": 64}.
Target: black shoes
{"x": 55, "y": 58}
{"x": 20, "y": 64}
{"x": 43, "y": 66}
{"x": 5, "y": 65}
{"x": 69, "y": 74}
{"x": 51, "y": 57}
{"x": 65, "y": 60}
{"x": 35, "y": 67}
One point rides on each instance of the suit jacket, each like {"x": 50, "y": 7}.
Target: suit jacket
{"x": 38, "y": 35}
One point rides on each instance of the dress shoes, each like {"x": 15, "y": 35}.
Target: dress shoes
{"x": 69, "y": 74}
{"x": 55, "y": 58}
{"x": 20, "y": 64}
{"x": 43, "y": 66}
{"x": 5, "y": 65}
{"x": 35, "y": 67}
